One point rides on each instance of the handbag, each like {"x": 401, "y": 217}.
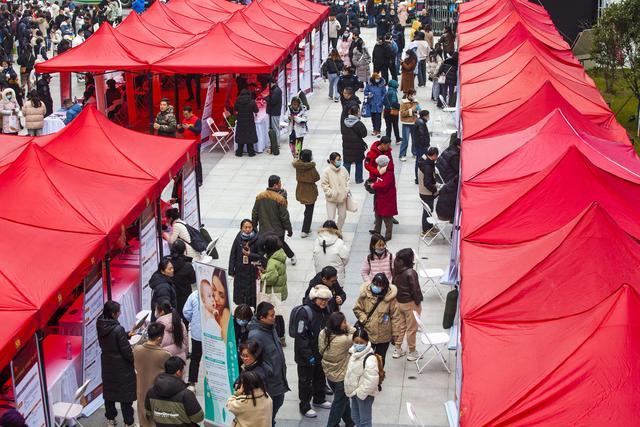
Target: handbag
{"x": 273, "y": 298}
{"x": 14, "y": 123}
{"x": 394, "y": 112}
{"x": 366, "y": 109}
{"x": 352, "y": 206}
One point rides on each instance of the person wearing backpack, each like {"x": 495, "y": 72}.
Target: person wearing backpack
{"x": 378, "y": 313}
{"x": 180, "y": 231}
{"x": 306, "y": 322}
{"x": 362, "y": 379}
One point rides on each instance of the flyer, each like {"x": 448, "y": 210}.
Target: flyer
{"x": 93, "y": 304}
{"x": 27, "y": 385}
{"x": 189, "y": 206}
{"x": 220, "y": 355}
{"x": 148, "y": 253}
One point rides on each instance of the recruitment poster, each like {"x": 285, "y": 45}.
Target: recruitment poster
{"x": 27, "y": 385}
{"x": 317, "y": 55}
{"x": 148, "y": 253}
{"x": 208, "y": 108}
{"x": 306, "y": 82}
{"x": 325, "y": 40}
{"x": 294, "y": 76}
{"x": 282, "y": 82}
{"x": 219, "y": 353}
{"x": 189, "y": 206}
{"x": 93, "y": 304}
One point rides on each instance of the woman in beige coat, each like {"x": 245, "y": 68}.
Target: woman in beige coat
{"x": 384, "y": 323}
{"x": 334, "y": 342}
{"x": 335, "y": 184}
{"x": 33, "y": 111}
{"x": 148, "y": 360}
{"x": 250, "y": 403}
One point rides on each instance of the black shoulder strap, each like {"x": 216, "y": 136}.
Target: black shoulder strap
{"x": 372, "y": 310}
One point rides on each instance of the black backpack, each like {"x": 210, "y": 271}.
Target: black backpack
{"x": 198, "y": 243}
{"x": 450, "y": 308}
{"x": 294, "y": 318}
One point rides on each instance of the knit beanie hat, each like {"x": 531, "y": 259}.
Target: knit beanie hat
{"x": 382, "y": 160}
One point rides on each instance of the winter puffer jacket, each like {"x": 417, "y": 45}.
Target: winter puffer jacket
{"x": 167, "y": 121}
{"x": 118, "y": 374}
{"x": 306, "y": 340}
{"x": 353, "y": 144}
{"x": 306, "y": 176}
{"x": 167, "y": 340}
{"x": 270, "y": 213}
{"x": 330, "y": 250}
{"x": 273, "y": 356}
{"x": 34, "y": 116}
{"x": 361, "y": 377}
{"x": 335, "y": 356}
{"x": 408, "y": 284}
{"x": 375, "y": 93}
{"x": 370, "y": 160}
{"x": 379, "y": 264}
{"x": 275, "y": 275}
{"x": 336, "y": 291}
{"x": 335, "y": 184}
{"x": 448, "y": 163}
{"x": 385, "y": 322}
{"x": 170, "y": 404}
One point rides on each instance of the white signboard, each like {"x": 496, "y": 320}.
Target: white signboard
{"x": 325, "y": 40}
{"x": 27, "y": 385}
{"x": 282, "y": 82}
{"x": 148, "y": 254}
{"x": 305, "y": 84}
{"x": 93, "y": 304}
{"x": 190, "y": 196}
{"x": 208, "y": 108}
{"x": 317, "y": 53}
{"x": 294, "y": 76}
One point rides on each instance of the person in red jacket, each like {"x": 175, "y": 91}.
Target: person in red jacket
{"x": 378, "y": 148}
{"x": 385, "y": 203}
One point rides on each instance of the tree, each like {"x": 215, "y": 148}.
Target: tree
{"x": 605, "y": 50}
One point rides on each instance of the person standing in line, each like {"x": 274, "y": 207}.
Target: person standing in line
{"x": 409, "y": 109}
{"x": 116, "y": 357}
{"x": 377, "y": 312}
{"x": 274, "y": 277}
{"x": 361, "y": 59}
{"x": 262, "y": 330}
{"x": 170, "y": 403}
{"x": 392, "y": 111}
{"x": 34, "y": 111}
{"x": 274, "y": 105}
{"x": 420, "y": 138}
{"x": 184, "y": 276}
{"x": 334, "y": 28}
{"x": 409, "y": 300}
{"x": 361, "y": 379}
{"x": 328, "y": 277}
{"x": 335, "y": 184}
{"x": 175, "y": 339}
{"x": 299, "y": 128}
{"x": 242, "y": 264}
{"x": 330, "y": 250}
{"x": 191, "y": 312}
{"x": 408, "y": 67}
{"x": 241, "y": 317}
{"x": 331, "y": 70}
{"x": 449, "y": 69}
{"x": 270, "y": 213}
{"x": 374, "y": 93}
{"x": 379, "y": 259}
{"x": 161, "y": 284}
{"x": 250, "y": 402}
{"x": 334, "y": 343}
{"x": 307, "y": 190}
{"x": 148, "y": 359}
{"x": 427, "y": 187}
{"x": 166, "y": 123}
{"x": 385, "y": 202}
{"x": 353, "y": 144}
{"x": 378, "y": 148}
{"x": 309, "y": 323}
{"x": 251, "y": 360}
{"x": 343, "y": 49}
{"x": 245, "y": 134}
{"x": 422, "y": 53}
{"x": 179, "y": 231}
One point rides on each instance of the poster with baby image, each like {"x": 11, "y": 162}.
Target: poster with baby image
{"x": 219, "y": 352}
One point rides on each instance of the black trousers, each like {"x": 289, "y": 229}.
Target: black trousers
{"x": 286, "y": 248}
{"x": 111, "y": 412}
{"x": 381, "y": 349}
{"x": 194, "y": 361}
{"x": 392, "y": 122}
{"x": 429, "y": 201}
{"x": 333, "y": 42}
{"x": 311, "y": 384}
{"x": 308, "y": 218}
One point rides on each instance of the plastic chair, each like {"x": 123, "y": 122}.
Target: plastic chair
{"x": 412, "y": 415}
{"x": 65, "y": 411}
{"x": 432, "y": 340}
{"x": 218, "y": 137}
{"x": 431, "y": 277}
{"x": 436, "y": 224}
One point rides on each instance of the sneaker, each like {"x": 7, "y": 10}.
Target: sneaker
{"x": 112, "y": 423}
{"x": 304, "y": 236}
{"x": 413, "y": 356}
{"x": 398, "y": 142}
{"x": 311, "y": 413}
{"x": 328, "y": 391}
{"x": 294, "y": 261}
{"x": 398, "y": 353}
{"x": 324, "y": 405}
{"x": 403, "y": 159}
{"x": 395, "y": 221}
{"x": 336, "y": 100}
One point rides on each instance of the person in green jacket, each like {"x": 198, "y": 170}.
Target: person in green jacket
{"x": 274, "y": 276}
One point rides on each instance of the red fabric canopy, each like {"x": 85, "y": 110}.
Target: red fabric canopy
{"x": 550, "y": 231}
{"x": 17, "y": 326}
{"x": 135, "y": 26}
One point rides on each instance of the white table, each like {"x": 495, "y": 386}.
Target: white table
{"x": 262, "y": 130}
{"x": 52, "y": 124}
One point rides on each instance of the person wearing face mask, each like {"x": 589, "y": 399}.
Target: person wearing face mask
{"x": 379, "y": 259}
{"x": 420, "y": 138}
{"x": 409, "y": 109}
{"x": 161, "y": 284}
{"x": 361, "y": 379}
{"x": 9, "y": 108}
{"x": 241, "y": 317}
{"x": 191, "y": 312}
{"x": 335, "y": 184}
{"x": 243, "y": 259}
{"x": 385, "y": 204}
{"x": 353, "y": 144}
{"x": 375, "y": 93}
{"x": 306, "y": 191}
{"x": 378, "y": 313}
{"x": 409, "y": 300}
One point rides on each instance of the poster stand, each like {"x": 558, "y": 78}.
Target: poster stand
{"x": 149, "y": 253}
{"x": 27, "y": 377}
{"x": 190, "y": 206}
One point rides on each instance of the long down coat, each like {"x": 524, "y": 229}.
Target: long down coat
{"x": 245, "y": 107}
{"x": 118, "y": 373}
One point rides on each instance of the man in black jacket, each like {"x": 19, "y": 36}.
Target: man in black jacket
{"x": 382, "y": 57}
{"x": 427, "y": 188}
{"x": 421, "y": 138}
{"x": 309, "y": 322}
{"x": 448, "y": 196}
{"x": 274, "y": 105}
{"x": 449, "y": 162}
{"x": 349, "y": 99}
{"x": 328, "y": 277}
{"x": 170, "y": 403}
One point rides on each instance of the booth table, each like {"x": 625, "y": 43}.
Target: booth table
{"x": 63, "y": 375}
{"x": 53, "y": 123}
{"x": 125, "y": 290}
{"x": 262, "y": 130}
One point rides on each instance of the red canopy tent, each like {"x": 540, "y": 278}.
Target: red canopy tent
{"x": 550, "y": 231}
{"x": 17, "y": 327}
{"x": 135, "y": 26}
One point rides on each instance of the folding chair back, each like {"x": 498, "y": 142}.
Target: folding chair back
{"x": 436, "y": 224}
{"x": 219, "y": 138}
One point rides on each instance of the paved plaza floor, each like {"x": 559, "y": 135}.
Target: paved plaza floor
{"x": 227, "y": 196}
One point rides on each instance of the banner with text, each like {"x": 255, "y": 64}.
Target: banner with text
{"x": 149, "y": 255}
{"x": 305, "y": 84}
{"x": 93, "y": 303}
{"x": 325, "y": 40}
{"x": 27, "y": 385}
{"x": 294, "y": 76}
{"x": 282, "y": 82}
{"x": 220, "y": 355}
{"x": 189, "y": 207}
{"x": 317, "y": 55}
{"x": 208, "y": 107}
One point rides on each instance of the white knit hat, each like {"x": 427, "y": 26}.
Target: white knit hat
{"x": 382, "y": 160}
{"x": 320, "y": 291}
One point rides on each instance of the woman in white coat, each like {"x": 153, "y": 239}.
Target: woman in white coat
{"x": 362, "y": 379}
{"x": 335, "y": 184}
{"x": 330, "y": 250}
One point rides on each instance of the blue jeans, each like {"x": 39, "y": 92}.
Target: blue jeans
{"x": 361, "y": 411}
{"x": 333, "y": 86}
{"x": 406, "y": 134}
{"x": 277, "y": 403}
{"x": 340, "y": 407}
{"x": 347, "y": 166}
{"x": 371, "y": 21}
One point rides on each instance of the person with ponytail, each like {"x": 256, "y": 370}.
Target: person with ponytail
{"x": 330, "y": 250}
{"x": 175, "y": 339}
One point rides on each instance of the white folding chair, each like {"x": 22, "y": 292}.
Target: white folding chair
{"x": 446, "y": 109}
{"x": 412, "y": 415}
{"x": 431, "y": 277}
{"x": 436, "y": 224}
{"x": 65, "y": 411}
{"x": 218, "y": 137}
{"x": 432, "y": 340}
